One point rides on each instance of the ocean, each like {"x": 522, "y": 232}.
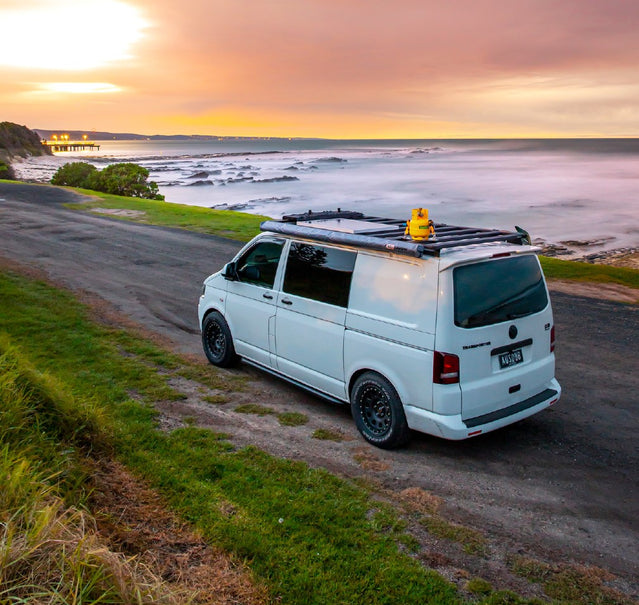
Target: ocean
{"x": 580, "y": 193}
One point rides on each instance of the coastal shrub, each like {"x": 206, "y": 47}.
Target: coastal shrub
{"x": 126, "y": 179}
{"x": 75, "y": 174}
{"x": 129, "y": 180}
{"x": 6, "y": 172}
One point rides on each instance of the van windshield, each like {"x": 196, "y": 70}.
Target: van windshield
{"x": 498, "y": 290}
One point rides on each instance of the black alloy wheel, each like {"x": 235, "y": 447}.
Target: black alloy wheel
{"x": 378, "y": 411}
{"x": 217, "y": 341}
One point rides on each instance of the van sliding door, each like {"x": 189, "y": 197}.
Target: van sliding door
{"x": 311, "y": 312}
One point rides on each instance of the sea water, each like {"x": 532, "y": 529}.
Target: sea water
{"x": 585, "y": 192}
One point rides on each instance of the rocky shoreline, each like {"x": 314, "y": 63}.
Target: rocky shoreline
{"x": 578, "y": 250}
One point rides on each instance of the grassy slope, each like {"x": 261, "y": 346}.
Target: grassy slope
{"x": 555, "y": 268}
{"x": 242, "y": 226}
{"x": 310, "y": 535}
{"x": 225, "y": 223}
{"x": 49, "y": 552}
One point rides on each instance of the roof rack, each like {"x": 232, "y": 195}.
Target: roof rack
{"x": 377, "y": 233}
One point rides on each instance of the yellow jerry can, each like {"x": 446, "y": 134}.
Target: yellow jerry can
{"x": 419, "y": 227}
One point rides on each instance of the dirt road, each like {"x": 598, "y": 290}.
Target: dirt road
{"x": 562, "y": 484}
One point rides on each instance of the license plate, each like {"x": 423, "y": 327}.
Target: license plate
{"x": 512, "y": 358}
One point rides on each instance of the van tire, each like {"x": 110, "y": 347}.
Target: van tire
{"x": 378, "y": 411}
{"x": 217, "y": 341}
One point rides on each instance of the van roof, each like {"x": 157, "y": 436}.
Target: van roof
{"x": 385, "y": 234}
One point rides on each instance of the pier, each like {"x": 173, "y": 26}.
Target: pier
{"x": 71, "y": 145}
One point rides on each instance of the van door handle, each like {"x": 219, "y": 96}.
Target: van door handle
{"x": 269, "y": 296}
{"x": 286, "y": 301}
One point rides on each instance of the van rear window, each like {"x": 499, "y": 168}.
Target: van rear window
{"x": 498, "y": 290}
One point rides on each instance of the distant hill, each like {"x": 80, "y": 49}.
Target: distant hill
{"x": 16, "y": 140}
{"x": 76, "y": 135}
{"x": 93, "y": 135}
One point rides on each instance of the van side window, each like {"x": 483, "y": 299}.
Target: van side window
{"x": 259, "y": 264}
{"x": 320, "y": 273}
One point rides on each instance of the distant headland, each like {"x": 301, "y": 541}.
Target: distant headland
{"x": 93, "y": 135}
{"x": 18, "y": 141}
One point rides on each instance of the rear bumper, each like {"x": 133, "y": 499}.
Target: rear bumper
{"x": 453, "y": 427}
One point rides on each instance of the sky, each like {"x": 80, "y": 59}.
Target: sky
{"x": 323, "y": 68}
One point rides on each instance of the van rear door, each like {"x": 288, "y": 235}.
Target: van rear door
{"x": 497, "y": 319}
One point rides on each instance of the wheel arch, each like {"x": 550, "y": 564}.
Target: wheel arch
{"x": 208, "y": 311}
{"x": 357, "y": 373}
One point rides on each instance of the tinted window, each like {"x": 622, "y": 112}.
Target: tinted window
{"x": 259, "y": 264}
{"x": 495, "y": 291}
{"x": 320, "y": 273}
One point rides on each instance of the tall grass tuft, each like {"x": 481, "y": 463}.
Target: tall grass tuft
{"x": 50, "y": 552}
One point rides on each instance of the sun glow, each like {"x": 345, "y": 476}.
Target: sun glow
{"x": 68, "y": 35}
{"x": 79, "y": 87}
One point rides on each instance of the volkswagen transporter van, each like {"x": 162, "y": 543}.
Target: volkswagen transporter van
{"x": 450, "y": 334}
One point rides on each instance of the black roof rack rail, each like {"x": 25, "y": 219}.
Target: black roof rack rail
{"x": 390, "y": 235}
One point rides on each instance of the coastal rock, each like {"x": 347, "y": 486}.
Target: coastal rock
{"x": 620, "y": 257}
{"x": 271, "y": 200}
{"x": 231, "y": 207}
{"x": 240, "y": 179}
{"x": 199, "y": 175}
{"x": 277, "y": 179}
{"x": 330, "y": 160}
{"x": 200, "y": 183}
{"x": 587, "y": 243}
{"x": 553, "y": 250}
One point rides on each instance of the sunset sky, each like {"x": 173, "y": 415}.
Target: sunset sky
{"x": 323, "y": 68}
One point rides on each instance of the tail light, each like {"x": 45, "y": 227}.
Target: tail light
{"x": 445, "y": 368}
{"x": 552, "y": 339}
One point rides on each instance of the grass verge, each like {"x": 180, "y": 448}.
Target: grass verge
{"x": 225, "y": 223}
{"x": 310, "y": 536}
{"x": 555, "y": 268}
{"x": 50, "y": 551}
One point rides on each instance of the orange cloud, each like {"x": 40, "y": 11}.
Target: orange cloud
{"x": 417, "y": 68}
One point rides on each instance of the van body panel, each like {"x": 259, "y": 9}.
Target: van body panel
{"x": 453, "y": 426}
{"x": 401, "y": 291}
{"x": 249, "y": 321}
{"x": 407, "y": 368}
{"x": 447, "y": 399}
{"x": 389, "y": 330}
{"x": 309, "y": 342}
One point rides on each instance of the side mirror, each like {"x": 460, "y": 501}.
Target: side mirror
{"x": 251, "y": 273}
{"x": 230, "y": 271}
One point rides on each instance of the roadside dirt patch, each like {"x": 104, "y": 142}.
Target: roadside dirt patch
{"x": 133, "y": 519}
{"x": 614, "y": 292}
{"x": 121, "y": 212}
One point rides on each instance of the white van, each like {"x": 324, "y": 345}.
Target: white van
{"x": 452, "y": 336}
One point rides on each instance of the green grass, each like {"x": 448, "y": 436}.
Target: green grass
{"x": 49, "y": 552}
{"x": 225, "y": 223}
{"x": 328, "y": 435}
{"x": 306, "y": 533}
{"x": 555, "y": 268}
{"x": 567, "y": 584}
{"x": 292, "y": 418}
{"x": 472, "y": 541}
{"x": 254, "y": 408}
